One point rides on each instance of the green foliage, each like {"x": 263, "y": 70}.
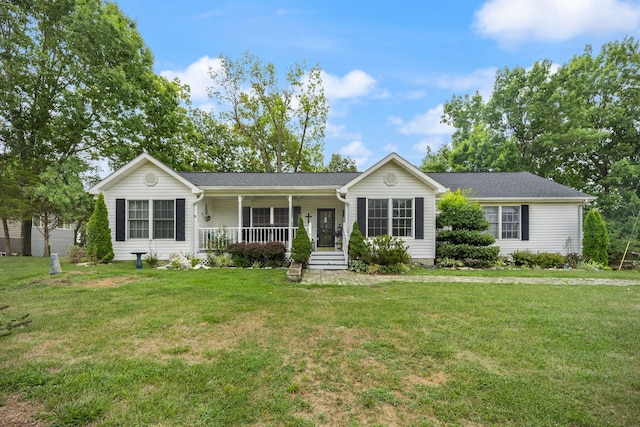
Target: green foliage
{"x": 465, "y": 251}
{"x": 595, "y": 242}
{"x": 464, "y": 240}
{"x": 76, "y": 254}
{"x": 280, "y": 128}
{"x": 470, "y": 237}
{"x": 301, "y": 246}
{"x": 269, "y": 254}
{"x": 341, "y": 164}
{"x": 526, "y": 258}
{"x": 99, "y": 246}
{"x": 222, "y": 261}
{"x": 458, "y": 212}
{"x": 357, "y": 246}
{"x": 386, "y": 250}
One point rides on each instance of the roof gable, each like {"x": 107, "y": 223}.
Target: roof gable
{"x": 507, "y": 185}
{"x": 394, "y": 158}
{"x": 134, "y": 165}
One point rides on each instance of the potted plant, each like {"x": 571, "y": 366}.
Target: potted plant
{"x": 338, "y": 235}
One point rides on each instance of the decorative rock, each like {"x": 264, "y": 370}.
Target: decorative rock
{"x": 55, "y": 264}
{"x": 294, "y": 273}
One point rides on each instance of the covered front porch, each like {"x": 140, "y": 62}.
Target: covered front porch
{"x": 223, "y": 220}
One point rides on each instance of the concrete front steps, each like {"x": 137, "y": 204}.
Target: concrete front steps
{"x": 328, "y": 260}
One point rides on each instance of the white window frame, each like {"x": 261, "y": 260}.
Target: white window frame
{"x": 500, "y": 232}
{"x": 149, "y": 230}
{"x": 157, "y": 221}
{"x": 390, "y": 217}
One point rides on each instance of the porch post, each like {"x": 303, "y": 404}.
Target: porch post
{"x": 290, "y": 233}
{"x": 240, "y": 218}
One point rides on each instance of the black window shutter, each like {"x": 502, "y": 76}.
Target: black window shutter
{"x": 524, "y": 214}
{"x": 297, "y": 211}
{"x": 362, "y": 215}
{"x": 180, "y": 220}
{"x": 246, "y": 216}
{"x": 121, "y": 220}
{"x": 419, "y": 217}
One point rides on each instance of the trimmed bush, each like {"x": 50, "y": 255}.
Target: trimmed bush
{"x": 301, "y": 245}
{"x": 462, "y": 238}
{"x": 357, "y": 246}
{"x": 526, "y": 258}
{"x": 469, "y": 237}
{"x": 99, "y": 246}
{"x": 595, "y": 242}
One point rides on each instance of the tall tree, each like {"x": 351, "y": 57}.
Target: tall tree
{"x": 282, "y": 128}
{"x": 577, "y": 124}
{"x": 341, "y": 164}
{"x": 77, "y": 82}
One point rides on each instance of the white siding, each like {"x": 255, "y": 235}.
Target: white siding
{"x": 132, "y": 187}
{"x": 59, "y": 241}
{"x": 553, "y": 227}
{"x": 407, "y": 187}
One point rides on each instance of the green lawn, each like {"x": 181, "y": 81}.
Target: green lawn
{"x": 113, "y": 346}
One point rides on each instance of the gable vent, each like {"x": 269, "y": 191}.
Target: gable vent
{"x": 150, "y": 179}
{"x": 390, "y": 179}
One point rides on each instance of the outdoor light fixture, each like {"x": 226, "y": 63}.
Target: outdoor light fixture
{"x": 205, "y": 214}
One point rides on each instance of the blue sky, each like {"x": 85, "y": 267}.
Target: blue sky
{"x": 388, "y": 67}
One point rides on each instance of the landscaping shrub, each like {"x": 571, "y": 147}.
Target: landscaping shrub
{"x": 464, "y": 252}
{"x": 223, "y": 260}
{"x": 595, "y": 242}
{"x": 463, "y": 238}
{"x": 526, "y": 258}
{"x": 99, "y": 247}
{"x": 573, "y": 259}
{"x": 76, "y": 254}
{"x": 357, "y": 246}
{"x": 386, "y": 250}
{"x": 269, "y": 254}
{"x": 301, "y": 245}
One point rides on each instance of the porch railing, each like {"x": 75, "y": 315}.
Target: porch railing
{"x": 214, "y": 238}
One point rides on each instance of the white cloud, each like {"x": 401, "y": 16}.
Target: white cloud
{"x": 433, "y": 142}
{"x": 196, "y": 76}
{"x": 339, "y": 132}
{"x": 354, "y": 84}
{"x": 481, "y": 80}
{"x": 512, "y": 22}
{"x": 423, "y": 124}
{"x": 392, "y": 148}
{"x": 416, "y": 94}
{"x": 358, "y": 152}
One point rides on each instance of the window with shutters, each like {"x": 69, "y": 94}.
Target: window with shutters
{"x": 390, "y": 214}
{"x": 163, "y": 219}
{"x": 138, "y": 215}
{"x": 504, "y": 221}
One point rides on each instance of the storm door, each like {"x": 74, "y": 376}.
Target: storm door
{"x": 326, "y": 228}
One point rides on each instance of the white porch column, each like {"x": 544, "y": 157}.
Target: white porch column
{"x": 240, "y": 218}
{"x": 290, "y": 198}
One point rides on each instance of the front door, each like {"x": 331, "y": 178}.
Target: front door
{"x": 326, "y": 227}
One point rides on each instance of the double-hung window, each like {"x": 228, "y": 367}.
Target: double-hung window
{"x": 163, "y": 219}
{"x": 511, "y": 222}
{"x": 395, "y": 215}
{"x": 377, "y": 217}
{"x": 504, "y": 221}
{"x": 138, "y": 219}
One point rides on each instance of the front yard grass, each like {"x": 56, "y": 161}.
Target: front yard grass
{"x": 110, "y": 345}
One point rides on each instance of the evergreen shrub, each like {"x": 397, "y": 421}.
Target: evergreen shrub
{"x": 99, "y": 246}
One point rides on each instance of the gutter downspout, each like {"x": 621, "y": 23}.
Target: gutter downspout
{"x": 194, "y": 240}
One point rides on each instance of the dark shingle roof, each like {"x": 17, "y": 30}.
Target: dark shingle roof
{"x": 483, "y": 184}
{"x": 258, "y": 179}
{"x": 505, "y": 185}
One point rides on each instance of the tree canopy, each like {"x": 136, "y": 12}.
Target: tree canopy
{"x": 577, "y": 124}
{"x": 280, "y": 128}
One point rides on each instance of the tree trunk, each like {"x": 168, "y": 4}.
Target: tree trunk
{"x": 7, "y": 238}
{"x": 25, "y": 247}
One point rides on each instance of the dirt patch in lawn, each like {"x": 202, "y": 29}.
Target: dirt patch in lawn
{"x": 16, "y": 412}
